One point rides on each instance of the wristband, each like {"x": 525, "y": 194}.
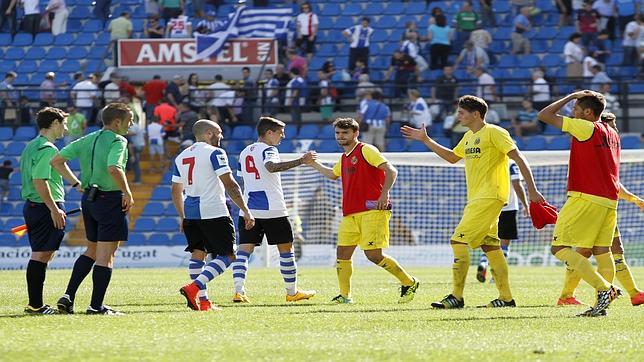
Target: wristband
{"x": 76, "y": 184}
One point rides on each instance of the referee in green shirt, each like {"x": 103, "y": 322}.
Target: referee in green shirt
{"x": 106, "y": 200}
{"x": 44, "y": 211}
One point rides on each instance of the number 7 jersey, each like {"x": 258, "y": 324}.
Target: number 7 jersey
{"x": 262, "y": 189}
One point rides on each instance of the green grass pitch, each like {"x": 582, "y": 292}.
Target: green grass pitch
{"x": 159, "y": 327}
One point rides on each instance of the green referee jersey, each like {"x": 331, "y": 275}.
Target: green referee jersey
{"x": 34, "y": 165}
{"x": 107, "y": 148}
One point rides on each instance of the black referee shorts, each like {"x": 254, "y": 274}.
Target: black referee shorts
{"x": 214, "y": 236}
{"x": 43, "y": 236}
{"x": 104, "y": 218}
{"x": 508, "y": 225}
{"x": 277, "y": 230}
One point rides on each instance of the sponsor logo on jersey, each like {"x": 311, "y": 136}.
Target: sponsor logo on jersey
{"x": 354, "y": 160}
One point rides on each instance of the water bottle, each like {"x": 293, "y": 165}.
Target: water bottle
{"x": 373, "y": 205}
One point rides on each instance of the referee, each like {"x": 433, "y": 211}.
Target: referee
{"x": 106, "y": 200}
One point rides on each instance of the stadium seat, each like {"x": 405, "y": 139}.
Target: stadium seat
{"x": 153, "y": 209}
{"x": 170, "y": 210}
{"x": 331, "y": 9}
{"x": 290, "y": 131}
{"x": 69, "y": 66}
{"x": 47, "y": 66}
{"x": 310, "y": 131}
{"x": 6, "y": 209}
{"x": 5, "y": 39}
{"x": 84, "y": 40}
{"x": 35, "y": 53}
{"x": 630, "y": 141}
{"x": 559, "y": 143}
{"x": 161, "y": 193}
{"x": 6, "y": 133}
{"x": 529, "y": 61}
{"x": 352, "y": 9}
{"x": 145, "y": 224}
{"x": 27, "y": 67}
{"x": 235, "y": 147}
{"x": 565, "y": 32}
{"x": 413, "y": 8}
{"x": 98, "y": 52}
{"x": 93, "y": 26}
{"x": 286, "y": 146}
{"x": 242, "y": 132}
{"x": 159, "y": 239}
{"x": 13, "y": 222}
{"x": 535, "y": 143}
{"x": 342, "y": 23}
{"x": 394, "y": 8}
{"x": 76, "y": 53}
{"x": 6, "y": 66}
{"x": 22, "y": 40}
{"x": 64, "y": 39}
{"x": 14, "y": 54}
{"x": 81, "y": 12}
{"x": 374, "y": 8}
{"x": 56, "y": 53}
{"x": 167, "y": 224}
{"x": 327, "y": 146}
{"x": 416, "y": 146}
{"x": 8, "y": 239}
{"x": 73, "y": 195}
{"x": 178, "y": 239}
{"x": 102, "y": 39}
{"x": 551, "y": 130}
{"x": 43, "y": 39}
{"x": 25, "y": 133}
{"x": 396, "y": 145}
{"x": 327, "y": 132}
{"x": 508, "y": 61}
{"x": 136, "y": 238}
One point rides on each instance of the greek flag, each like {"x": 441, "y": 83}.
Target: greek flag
{"x": 246, "y": 22}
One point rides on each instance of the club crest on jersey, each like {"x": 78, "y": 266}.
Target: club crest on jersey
{"x": 477, "y": 141}
{"x": 354, "y": 160}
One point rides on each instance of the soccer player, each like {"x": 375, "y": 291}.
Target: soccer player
{"x": 202, "y": 171}
{"x": 367, "y": 178}
{"x": 486, "y": 149}
{"x": 588, "y": 219}
{"x": 106, "y": 201}
{"x": 259, "y": 166}
{"x": 508, "y": 218}
{"x": 44, "y": 210}
{"x": 622, "y": 271}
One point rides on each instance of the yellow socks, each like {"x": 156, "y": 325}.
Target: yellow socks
{"x": 460, "y": 267}
{"x": 623, "y": 274}
{"x": 583, "y": 267}
{"x": 499, "y": 269}
{"x": 391, "y": 265}
{"x": 344, "y": 269}
{"x": 606, "y": 266}
{"x": 571, "y": 282}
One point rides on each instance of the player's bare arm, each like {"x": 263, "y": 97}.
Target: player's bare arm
{"x": 390, "y": 178}
{"x": 549, "y": 114}
{"x": 625, "y": 194}
{"x": 177, "y": 200}
{"x": 57, "y": 215}
{"x": 325, "y": 171}
{"x": 63, "y": 169}
{"x": 118, "y": 175}
{"x": 234, "y": 191}
{"x": 518, "y": 188}
{"x": 420, "y": 134}
{"x": 306, "y": 159}
{"x": 519, "y": 158}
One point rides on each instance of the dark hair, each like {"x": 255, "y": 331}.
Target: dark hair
{"x": 441, "y": 21}
{"x": 7, "y": 163}
{"x": 608, "y": 117}
{"x": 191, "y": 75}
{"x": 366, "y": 18}
{"x": 376, "y": 95}
{"x": 473, "y": 104}
{"x": 246, "y": 69}
{"x": 114, "y": 111}
{"x": 346, "y": 123}
{"x": 295, "y": 71}
{"x": 10, "y": 75}
{"x": 218, "y": 77}
{"x": 156, "y": 76}
{"x": 48, "y": 115}
{"x": 268, "y": 124}
{"x": 594, "y": 101}
{"x": 269, "y": 70}
{"x": 574, "y": 36}
{"x": 436, "y": 10}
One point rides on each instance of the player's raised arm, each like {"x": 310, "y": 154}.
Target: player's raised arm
{"x": 625, "y": 194}
{"x": 549, "y": 114}
{"x": 420, "y": 134}
{"x": 524, "y": 167}
{"x": 306, "y": 159}
{"x": 325, "y": 171}
{"x": 234, "y": 191}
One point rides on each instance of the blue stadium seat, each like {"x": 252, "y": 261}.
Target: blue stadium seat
{"x": 499, "y": 47}
{"x": 159, "y": 239}
{"x": 13, "y": 222}
{"x": 27, "y": 67}
{"x": 235, "y": 146}
{"x": 290, "y": 131}
{"x": 327, "y": 146}
{"x": 636, "y": 88}
{"x": 135, "y": 238}
{"x": 84, "y": 39}
{"x": 331, "y": 9}
{"x": 48, "y": 66}
{"x": 167, "y": 224}
{"x": 352, "y": 9}
{"x": 342, "y": 23}
{"x": 22, "y": 40}
{"x": 43, "y": 39}
{"x": 286, "y": 146}
{"x": 14, "y": 54}
{"x": 93, "y": 26}
{"x": 161, "y": 193}
{"x": 69, "y": 66}
{"x": 552, "y": 60}
{"x": 25, "y": 133}
{"x": 6, "y": 66}
{"x": 522, "y": 73}
{"x": 6, "y": 133}
{"x": 546, "y": 33}
{"x": 73, "y": 195}
{"x": 145, "y": 224}
{"x": 413, "y": 8}
{"x": 8, "y": 239}
{"x": 565, "y": 32}
{"x": 327, "y": 132}
{"x": 15, "y": 194}
{"x": 2, "y": 151}
{"x": 178, "y": 239}
{"x": 56, "y": 53}
{"x": 508, "y": 61}
{"x": 242, "y": 132}
{"x": 551, "y": 130}
{"x": 416, "y": 146}
{"x": 64, "y": 39}
{"x": 529, "y": 61}
{"x": 170, "y": 211}
{"x": 35, "y": 53}
{"x": 396, "y": 145}
{"x": 5, "y": 39}
{"x": 6, "y": 209}
{"x": 81, "y": 12}
{"x": 309, "y": 131}
{"x": 76, "y": 53}
{"x": 535, "y": 143}
{"x": 394, "y": 8}
{"x": 559, "y": 143}
{"x": 374, "y": 8}
{"x": 98, "y": 52}
{"x": 102, "y": 39}
{"x": 153, "y": 209}
{"x": 630, "y": 141}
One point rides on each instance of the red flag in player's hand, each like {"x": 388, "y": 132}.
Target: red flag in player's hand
{"x": 542, "y": 214}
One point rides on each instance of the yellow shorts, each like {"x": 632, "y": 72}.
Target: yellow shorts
{"x": 584, "y": 224}
{"x": 369, "y": 230}
{"x": 480, "y": 223}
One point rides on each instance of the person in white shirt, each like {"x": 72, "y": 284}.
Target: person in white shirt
{"x": 179, "y": 27}
{"x": 307, "y": 24}
{"x": 112, "y": 92}
{"x": 588, "y": 63}
{"x": 599, "y": 78}
{"x": 216, "y": 89}
{"x": 31, "y": 21}
{"x": 540, "y": 90}
{"x": 59, "y": 24}
{"x": 410, "y": 47}
{"x": 359, "y": 37}
{"x": 259, "y": 167}
{"x": 486, "y": 88}
{"x": 633, "y": 37}
{"x": 202, "y": 174}
{"x": 84, "y": 94}
{"x": 574, "y": 55}
{"x": 612, "y": 104}
{"x": 156, "y": 134}
{"x": 418, "y": 109}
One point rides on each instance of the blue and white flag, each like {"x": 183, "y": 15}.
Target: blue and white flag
{"x": 246, "y": 23}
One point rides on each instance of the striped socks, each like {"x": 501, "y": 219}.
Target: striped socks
{"x": 213, "y": 269}
{"x": 240, "y": 267}
{"x": 195, "y": 267}
{"x": 288, "y": 268}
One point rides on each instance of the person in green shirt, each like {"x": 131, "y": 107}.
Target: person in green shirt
{"x": 44, "y": 194}
{"x": 465, "y": 22}
{"x": 76, "y": 123}
{"x": 105, "y": 202}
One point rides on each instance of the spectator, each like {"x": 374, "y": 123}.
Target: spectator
{"x": 198, "y": 8}
{"x": 7, "y": 98}
{"x": 153, "y": 91}
{"x": 172, "y": 91}
{"x": 102, "y": 10}
{"x": 270, "y": 93}
{"x": 196, "y": 95}
{"x": 85, "y": 95}
{"x": 444, "y": 92}
{"x": 186, "y": 118}
{"x": 156, "y": 135}
{"x": 31, "y": 21}
{"x": 76, "y": 123}
{"x": 127, "y": 89}
{"x": 249, "y": 108}
{"x": 76, "y": 78}
{"x": 283, "y": 78}
{"x": 59, "y": 24}
{"x": 410, "y": 47}
{"x": 297, "y": 62}
{"x": 307, "y": 24}
{"x": 473, "y": 57}
{"x": 588, "y": 24}
{"x": 374, "y": 117}
{"x": 481, "y": 38}
{"x": 540, "y": 90}
{"x": 153, "y": 29}
{"x": 223, "y": 105}
{"x": 518, "y": 4}
{"x": 486, "y": 88}
{"x": 522, "y": 25}
{"x": 439, "y": 36}
{"x": 410, "y": 29}
{"x": 465, "y": 22}
{"x": 121, "y": 27}
{"x": 325, "y": 101}
{"x": 608, "y": 13}
{"x": 25, "y": 113}
{"x": 418, "y": 110}
{"x": 8, "y": 11}
{"x": 588, "y": 63}
{"x": 574, "y": 55}
{"x": 402, "y": 67}
{"x": 633, "y": 36}
{"x": 436, "y": 11}
{"x": 599, "y": 78}
{"x": 5, "y": 172}
{"x": 48, "y": 90}
{"x": 216, "y": 89}
{"x": 136, "y": 144}
{"x": 565, "y": 11}
{"x": 179, "y": 27}
{"x": 365, "y": 86}
{"x": 359, "y": 70}
{"x": 171, "y": 8}
{"x": 210, "y": 24}
{"x": 359, "y": 37}
{"x": 166, "y": 115}
{"x": 625, "y": 12}
{"x": 526, "y": 122}
{"x": 111, "y": 92}
{"x": 151, "y": 8}
{"x": 488, "y": 19}
{"x": 612, "y": 104}
{"x": 295, "y": 98}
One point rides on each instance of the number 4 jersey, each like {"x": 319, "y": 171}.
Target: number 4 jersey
{"x": 262, "y": 189}
{"x": 198, "y": 168}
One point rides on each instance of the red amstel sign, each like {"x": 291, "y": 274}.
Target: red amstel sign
{"x": 163, "y": 53}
